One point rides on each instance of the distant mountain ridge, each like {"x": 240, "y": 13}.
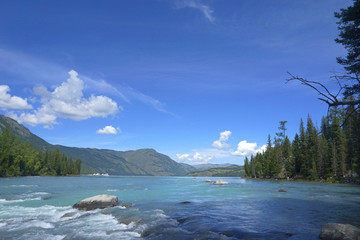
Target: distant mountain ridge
{"x": 230, "y": 171}
{"x": 137, "y": 162}
{"x": 206, "y": 166}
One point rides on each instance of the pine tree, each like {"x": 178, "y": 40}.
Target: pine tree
{"x": 322, "y": 156}
{"x": 311, "y": 143}
{"x": 304, "y": 166}
{"x": 289, "y": 162}
{"x": 352, "y": 137}
{"x": 247, "y": 169}
{"x": 334, "y": 160}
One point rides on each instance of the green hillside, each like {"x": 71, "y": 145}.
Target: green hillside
{"x": 138, "y": 162}
{"x": 231, "y": 171}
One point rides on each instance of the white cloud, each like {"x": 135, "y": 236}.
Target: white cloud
{"x": 41, "y": 116}
{"x": 182, "y": 157}
{"x": 202, "y": 156}
{"x": 108, "y": 130}
{"x": 36, "y": 70}
{"x": 220, "y": 152}
{"x": 12, "y": 102}
{"x": 220, "y": 144}
{"x": 246, "y": 149}
{"x": 67, "y": 101}
{"x": 262, "y": 149}
{"x": 194, "y": 158}
{"x": 197, "y": 4}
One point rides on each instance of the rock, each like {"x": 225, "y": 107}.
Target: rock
{"x": 282, "y": 190}
{"x": 337, "y": 231}
{"x": 220, "y": 182}
{"x": 67, "y": 215}
{"x": 99, "y": 201}
{"x": 185, "y": 202}
{"x": 207, "y": 180}
{"x": 147, "y": 233}
{"x": 46, "y": 198}
{"x": 130, "y": 220}
{"x": 126, "y": 205}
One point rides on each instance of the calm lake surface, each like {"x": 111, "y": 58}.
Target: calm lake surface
{"x": 33, "y": 208}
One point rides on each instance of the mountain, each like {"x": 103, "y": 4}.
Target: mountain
{"x": 22, "y": 132}
{"x": 230, "y": 171}
{"x": 138, "y": 162}
{"x": 206, "y": 166}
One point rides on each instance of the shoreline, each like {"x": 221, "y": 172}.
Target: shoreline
{"x": 355, "y": 182}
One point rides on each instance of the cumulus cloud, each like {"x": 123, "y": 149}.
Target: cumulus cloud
{"x": 220, "y": 144}
{"x": 197, "y": 4}
{"x": 221, "y": 150}
{"x": 182, "y": 157}
{"x": 12, "y": 102}
{"x": 246, "y": 149}
{"x": 43, "y": 116}
{"x": 202, "y": 156}
{"x": 195, "y": 158}
{"x": 35, "y": 70}
{"x": 108, "y": 130}
{"x": 67, "y": 101}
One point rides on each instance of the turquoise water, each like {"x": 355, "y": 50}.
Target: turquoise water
{"x": 33, "y": 208}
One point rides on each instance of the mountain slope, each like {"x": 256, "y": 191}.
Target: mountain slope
{"x": 138, "y": 162}
{"x": 206, "y": 166}
{"x": 231, "y": 171}
{"x": 22, "y": 132}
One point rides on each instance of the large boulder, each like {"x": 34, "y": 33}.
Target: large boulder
{"x": 99, "y": 201}
{"x": 337, "y": 231}
{"x": 220, "y": 182}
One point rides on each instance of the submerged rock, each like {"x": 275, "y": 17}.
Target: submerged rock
{"x": 282, "y": 190}
{"x": 130, "y": 220}
{"x": 99, "y": 201}
{"x": 220, "y": 182}
{"x": 67, "y": 215}
{"x": 46, "y": 198}
{"x": 126, "y": 205}
{"x": 185, "y": 202}
{"x": 337, "y": 231}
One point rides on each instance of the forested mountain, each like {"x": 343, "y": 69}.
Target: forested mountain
{"x": 139, "y": 162}
{"x": 206, "y": 166}
{"x": 230, "y": 171}
{"x": 333, "y": 151}
{"x": 18, "y": 158}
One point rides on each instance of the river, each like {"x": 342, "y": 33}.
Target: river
{"x": 173, "y": 208}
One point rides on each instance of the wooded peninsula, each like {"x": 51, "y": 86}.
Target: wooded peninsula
{"x": 18, "y": 158}
{"x": 330, "y": 153}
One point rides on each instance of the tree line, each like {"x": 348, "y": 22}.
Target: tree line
{"x": 331, "y": 152}
{"x": 18, "y": 158}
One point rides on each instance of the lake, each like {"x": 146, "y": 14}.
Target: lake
{"x": 173, "y": 208}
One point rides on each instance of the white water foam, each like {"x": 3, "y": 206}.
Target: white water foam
{"x": 112, "y": 190}
{"x": 18, "y": 200}
{"x": 22, "y": 185}
{"x": 33, "y": 224}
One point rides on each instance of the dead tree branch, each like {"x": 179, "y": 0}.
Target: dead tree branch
{"x": 326, "y": 96}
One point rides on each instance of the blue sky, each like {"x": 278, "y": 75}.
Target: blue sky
{"x": 200, "y": 81}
